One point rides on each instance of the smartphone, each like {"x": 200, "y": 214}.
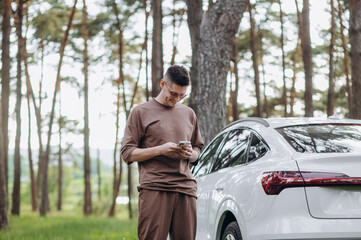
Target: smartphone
{"x": 184, "y": 143}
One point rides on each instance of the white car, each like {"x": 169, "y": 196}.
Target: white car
{"x": 281, "y": 178}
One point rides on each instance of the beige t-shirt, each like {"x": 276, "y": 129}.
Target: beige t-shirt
{"x": 152, "y": 124}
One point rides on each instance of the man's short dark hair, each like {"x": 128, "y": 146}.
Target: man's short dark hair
{"x": 177, "y": 74}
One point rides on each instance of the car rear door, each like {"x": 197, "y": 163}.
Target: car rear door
{"x": 232, "y": 153}
{"x": 204, "y": 185}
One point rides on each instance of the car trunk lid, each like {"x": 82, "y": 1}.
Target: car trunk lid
{"x": 332, "y": 183}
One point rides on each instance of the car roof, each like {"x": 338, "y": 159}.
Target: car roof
{"x": 292, "y": 121}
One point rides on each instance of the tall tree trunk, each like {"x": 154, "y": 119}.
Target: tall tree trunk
{"x": 15, "y": 209}
{"x": 174, "y": 21}
{"x": 60, "y": 160}
{"x": 345, "y": 61}
{"x": 34, "y": 205}
{"x": 216, "y": 38}
{"x": 284, "y": 91}
{"x": 147, "y": 13}
{"x": 39, "y": 119}
{"x": 3, "y": 192}
{"x": 229, "y": 104}
{"x": 87, "y": 192}
{"x": 294, "y": 60}
{"x": 38, "y": 123}
{"x": 34, "y": 185}
{"x": 235, "y": 111}
{"x": 157, "y": 50}
{"x": 5, "y": 82}
{"x": 331, "y": 84}
{"x": 4, "y": 109}
{"x": 130, "y": 191}
{"x": 175, "y": 13}
{"x": 307, "y": 57}
{"x": 355, "y": 39}
{"x": 44, "y": 185}
{"x": 258, "y": 112}
{"x": 194, "y": 19}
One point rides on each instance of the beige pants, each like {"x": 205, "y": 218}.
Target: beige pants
{"x": 162, "y": 212}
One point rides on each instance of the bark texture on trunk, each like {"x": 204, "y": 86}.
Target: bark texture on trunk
{"x": 87, "y": 192}
{"x": 39, "y": 119}
{"x": 355, "y": 40}
{"x": 284, "y": 91}
{"x": 194, "y": 19}
{"x": 307, "y": 57}
{"x": 3, "y": 191}
{"x": 60, "y": 163}
{"x": 5, "y": 82}
{"x": 15, "y": 209}
{"x": 130, "y": 191}
{"x": 235, "y": 111}
{"x": 331, "y": 81}
{"x": 157, "y": 50}
{"x": 147, "y": 13}
{"x": 216, "y": 38}
{"x": 294, "y": 60}
{"x": 4, "y": 110}
{"x": 34, "y": 185}
{"x": 345, "y": 60}
{"x": 258, "y": 112}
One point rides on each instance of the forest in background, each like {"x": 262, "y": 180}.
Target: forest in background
{"x": 56, "y": 51}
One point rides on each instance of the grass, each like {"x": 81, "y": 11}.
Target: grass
{"x": 70, "y": 227}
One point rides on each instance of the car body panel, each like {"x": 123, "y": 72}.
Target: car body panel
{"x": 284, "y": 122}
{"x": 237, "y": 191}
{"x": 333, "y": 202}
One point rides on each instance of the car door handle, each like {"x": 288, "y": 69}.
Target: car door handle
{"x": 219, "y": 188}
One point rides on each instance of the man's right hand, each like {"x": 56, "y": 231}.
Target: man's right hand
{"x": 169, "y": 149}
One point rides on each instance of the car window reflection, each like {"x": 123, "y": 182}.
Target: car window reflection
{"x": 326, "y": 138}
{"x": 207, "y": 157}
{"x": 257, "y": 149}
{"x": 234, "y": 149}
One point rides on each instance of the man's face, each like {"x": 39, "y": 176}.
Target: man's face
{"x": 173, "y": 93}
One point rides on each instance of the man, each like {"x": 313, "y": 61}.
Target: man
{"x": 167, "y": 191}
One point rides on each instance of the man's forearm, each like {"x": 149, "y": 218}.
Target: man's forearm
{"x": 167, "y": 149}
{"x": 143, "y": 154}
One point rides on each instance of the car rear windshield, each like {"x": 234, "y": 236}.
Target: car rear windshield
{"x": 323, "y": 138}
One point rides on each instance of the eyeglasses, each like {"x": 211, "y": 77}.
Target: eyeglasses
{"x": 174, "y": 94}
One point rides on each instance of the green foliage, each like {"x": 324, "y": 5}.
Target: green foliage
{"x": 97, "y": 25}
{"x": 71, "y": 227}
{"x": 49, "y": 26}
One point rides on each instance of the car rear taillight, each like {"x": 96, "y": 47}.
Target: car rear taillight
{"x": 274, "y": 182}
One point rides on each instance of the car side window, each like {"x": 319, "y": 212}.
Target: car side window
{"x": 257, "y": 148}
{"x": 234, "y": 149}
{"x": 207, "y": 157}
